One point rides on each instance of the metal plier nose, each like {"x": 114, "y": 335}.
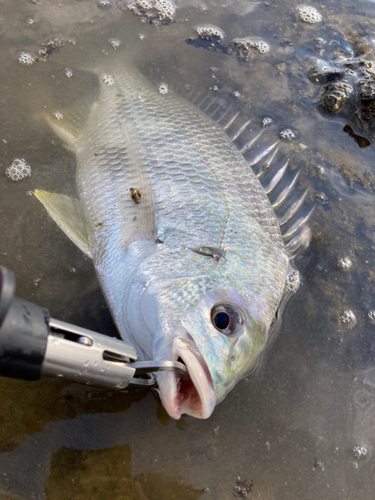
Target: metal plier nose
{"x": 94, "y": 359}
{"x": 33, "y": 344}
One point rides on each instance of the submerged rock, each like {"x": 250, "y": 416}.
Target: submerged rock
{"x": 334, "y": 95}
{"x": 367, "y": 97}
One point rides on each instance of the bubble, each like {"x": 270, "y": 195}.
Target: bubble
{"x": 25, "y": 58}
{"x": 163, "y": 88}
{"x": 209, "y": 31}
{"x": 245, "y": 45}
{"x": 18, "y": 170}
{"x": 114, "y": 43}
{"x": 347, "y": 317}
{"x": 58, "y": 116}
{"x": 236, "y": 93}
{"x": 72, "y": 270}
{"x": 55, "y": 43}
{"x": 360, "y": 451}
{"x": 164, "y": 10}
{"x": 68, "y": 73}
{"x": 267, "y": 121}
{"x": 322, "y": 198}
{"x": 30, "y": 21}
{"x": 262, "y": 47}
{"x": 344, "y": 263}
{"x": 287, "y": 134}
{"x": 141, "y": 4}
{"x": 107, "y": 79}
{"x": 292, "y": 282}
{"x": 141, "y": 36}
{"x": 309, "y": 14}
{"x": 104, "y": 4}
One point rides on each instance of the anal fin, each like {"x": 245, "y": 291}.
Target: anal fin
{"x": 68, "y": 214}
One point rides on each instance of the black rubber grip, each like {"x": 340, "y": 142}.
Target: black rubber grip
{"x": 23, "y": 333}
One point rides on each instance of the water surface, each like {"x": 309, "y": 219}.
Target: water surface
{"x": 290, "y": 429}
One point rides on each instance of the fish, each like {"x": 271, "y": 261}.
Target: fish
{"x": 184, "y": 239}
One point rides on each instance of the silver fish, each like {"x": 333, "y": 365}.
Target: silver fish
{"x": 184, "y": 240}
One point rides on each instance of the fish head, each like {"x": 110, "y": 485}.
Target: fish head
{"x": 216, "y": 327}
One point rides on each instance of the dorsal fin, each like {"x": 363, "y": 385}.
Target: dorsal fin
{"x": 262, "y": 148}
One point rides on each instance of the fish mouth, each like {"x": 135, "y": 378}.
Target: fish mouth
{"x": 195, "y": 396}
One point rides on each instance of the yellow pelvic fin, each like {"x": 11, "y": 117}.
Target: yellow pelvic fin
{"x": 68, "y": 214}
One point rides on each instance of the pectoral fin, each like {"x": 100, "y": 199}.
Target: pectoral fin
{"x": 68, "y": 214}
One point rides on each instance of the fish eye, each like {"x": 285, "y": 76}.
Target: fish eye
{"x": 226, "y": 318}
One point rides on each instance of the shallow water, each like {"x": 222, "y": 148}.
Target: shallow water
{"x": 291, "y": 427}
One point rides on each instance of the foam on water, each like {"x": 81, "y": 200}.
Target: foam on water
{"x": 360, "y": 451}
{"x": 18, "y": 170}
{"x": 293, "y": 282}
{"x": 347, "y": 316}
{"x": 309, "y": 14}
{"x": 114, "y": 43}
{"x": 209, "y": 31}
{"x": 247, "y": 45}
{"x": 267, "y": 121}
{"x": 344, "y": 263}
{"x": 288, "y": 134}
{"x": 25, "y": 58}
{"x": 164, "y": 10}
{"x": 104, "y": 4}
{"x": 107, "y": 79}
{"x": 163, "y": 88}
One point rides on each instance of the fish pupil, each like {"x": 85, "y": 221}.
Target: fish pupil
{"x": 221, "y": 320}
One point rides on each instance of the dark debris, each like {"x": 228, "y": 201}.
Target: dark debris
{"x": 136, "y": 195}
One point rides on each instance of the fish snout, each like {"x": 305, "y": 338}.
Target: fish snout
{"x": 194, "y": 396}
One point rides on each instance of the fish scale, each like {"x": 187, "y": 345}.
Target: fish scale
{"x": 197, "y": 192}
{"x": 196, "y": 200}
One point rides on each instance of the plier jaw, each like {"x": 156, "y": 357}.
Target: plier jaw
{"x": 90, "y": 358}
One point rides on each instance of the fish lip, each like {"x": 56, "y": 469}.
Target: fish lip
{"x": 195, "y": 397}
